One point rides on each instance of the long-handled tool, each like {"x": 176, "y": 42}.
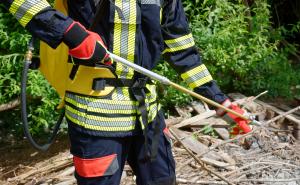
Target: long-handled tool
{"x": 166, "y": 81}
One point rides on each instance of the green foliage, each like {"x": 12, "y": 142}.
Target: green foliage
{"x": 42, "y": 99}
{"x": 170, "y": 95}
{"x": 241, "y": 49}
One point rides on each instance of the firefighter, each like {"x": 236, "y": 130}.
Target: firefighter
{"x": 127, "y": 123}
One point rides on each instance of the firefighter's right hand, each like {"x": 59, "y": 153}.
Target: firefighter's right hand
{"x": 85, "y": 47}
{"x": 242, "y": 126}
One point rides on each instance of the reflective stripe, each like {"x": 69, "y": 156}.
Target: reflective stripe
{"x": 124, "y": 38}
{"x": 96, "y": 167}
{"x": 114, "y": 126}
{"x": 102, "y": 107}
{"x": 100, "y": 119}
{"x": 180, "y": 43}
{"x": 124, "y": 35}
{"x": 109, "y": 104}
{"x": 151, "y": 2}
{"x": 117, "y": 33}
{"x": 116, "y": 114}
{"x": 25, "y": 10}
{"x": 132, "y": 35}
{"x": 197, "y": 76}
{"x": 153, "y": 110}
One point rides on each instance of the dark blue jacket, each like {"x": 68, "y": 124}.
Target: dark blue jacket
{"x": 140, "y": 31}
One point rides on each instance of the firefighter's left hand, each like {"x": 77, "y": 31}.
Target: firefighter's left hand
{"x": 242, "y": 126}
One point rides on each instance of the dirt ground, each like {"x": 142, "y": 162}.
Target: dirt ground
{"x": 270, "y": 155}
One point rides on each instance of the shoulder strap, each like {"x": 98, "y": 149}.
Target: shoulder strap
{"x": 99, "y": 12}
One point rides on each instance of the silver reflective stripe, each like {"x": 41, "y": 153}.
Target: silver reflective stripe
{"x": 181, "y": 43}
{"x": 151, "y": 2}
{"x": 25, "y": 7}
{"x": 100, "y": 103}
{"x": 107, "y": 106}
{"x": 124, "y": 36}
{"x": 198, "y": 76}
{"x": 100, "y": 123}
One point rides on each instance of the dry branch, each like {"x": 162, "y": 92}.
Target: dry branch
{"x": 184, "y": 181}
{"x": 10, "y": 105}
{"x": 45, "y": 169}
{"x": 241, "y": 136}
{"x": 268, "y": 180}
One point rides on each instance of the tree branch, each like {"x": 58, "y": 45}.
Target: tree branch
{"x": 10, "y": 105}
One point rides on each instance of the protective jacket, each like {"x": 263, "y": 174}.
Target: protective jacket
{"x": 140, "y": 31}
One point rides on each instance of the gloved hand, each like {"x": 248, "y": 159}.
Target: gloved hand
{"x": 85, "y": 47}
{"x": 242, "y": 125}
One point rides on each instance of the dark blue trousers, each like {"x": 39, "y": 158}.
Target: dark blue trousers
{"x": 100, "y": 160}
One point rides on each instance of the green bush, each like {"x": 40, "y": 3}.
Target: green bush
{"x": 241, "y": 49}
{"x": 42, "y": 99}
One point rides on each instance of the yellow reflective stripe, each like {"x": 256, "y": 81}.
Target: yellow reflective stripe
{"x": 150, "y": 99}
{"x": 100, "y": 118}
{"x": 107, "y": 101}
{"x": 160, "y": 15}
{"x": 201, "y": 81}
{"x": 24, "y": 11}
{"x": 121, "y": 94}
{"x": 126, "y": 33}
{"x": 179, "y": 44}
{"x": 172, "y": 41}
{"x": 153, "y": 110}
{"x": 122, "y": 37}
{"x": 179, "y": 48}
{"x": 100, "y": 128}
{"x": 117, "y": 34}
{"x": 197, "y": 76}
{"x": 192, "y": 72}
{"x": 76, "y": 103}
{"x": 107, "y": 111}
{"x": 90, "y": 100}
{"x": 33, "y": 11}
{"x": 15, "y": 6}
{"x": 117, "y": 38}
{"x": 111, "y": 102}
{"x": 131, "y": 36}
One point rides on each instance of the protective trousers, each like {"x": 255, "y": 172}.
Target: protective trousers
{"x": 100, "y": 160}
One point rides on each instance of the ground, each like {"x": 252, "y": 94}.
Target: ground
{"x": 270, "y": 155}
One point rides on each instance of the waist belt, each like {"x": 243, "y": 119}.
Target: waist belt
{"x": 101, "y": 83}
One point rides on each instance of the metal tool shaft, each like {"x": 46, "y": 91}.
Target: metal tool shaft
{"x": 166, "y": 81}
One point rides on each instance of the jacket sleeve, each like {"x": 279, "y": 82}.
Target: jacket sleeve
{"x": 180, "y": 52}
{"x": 40, "y": 19}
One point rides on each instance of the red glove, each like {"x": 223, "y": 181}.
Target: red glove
{"x": 242, "y": 125}
{"x": 85, "y": 47}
